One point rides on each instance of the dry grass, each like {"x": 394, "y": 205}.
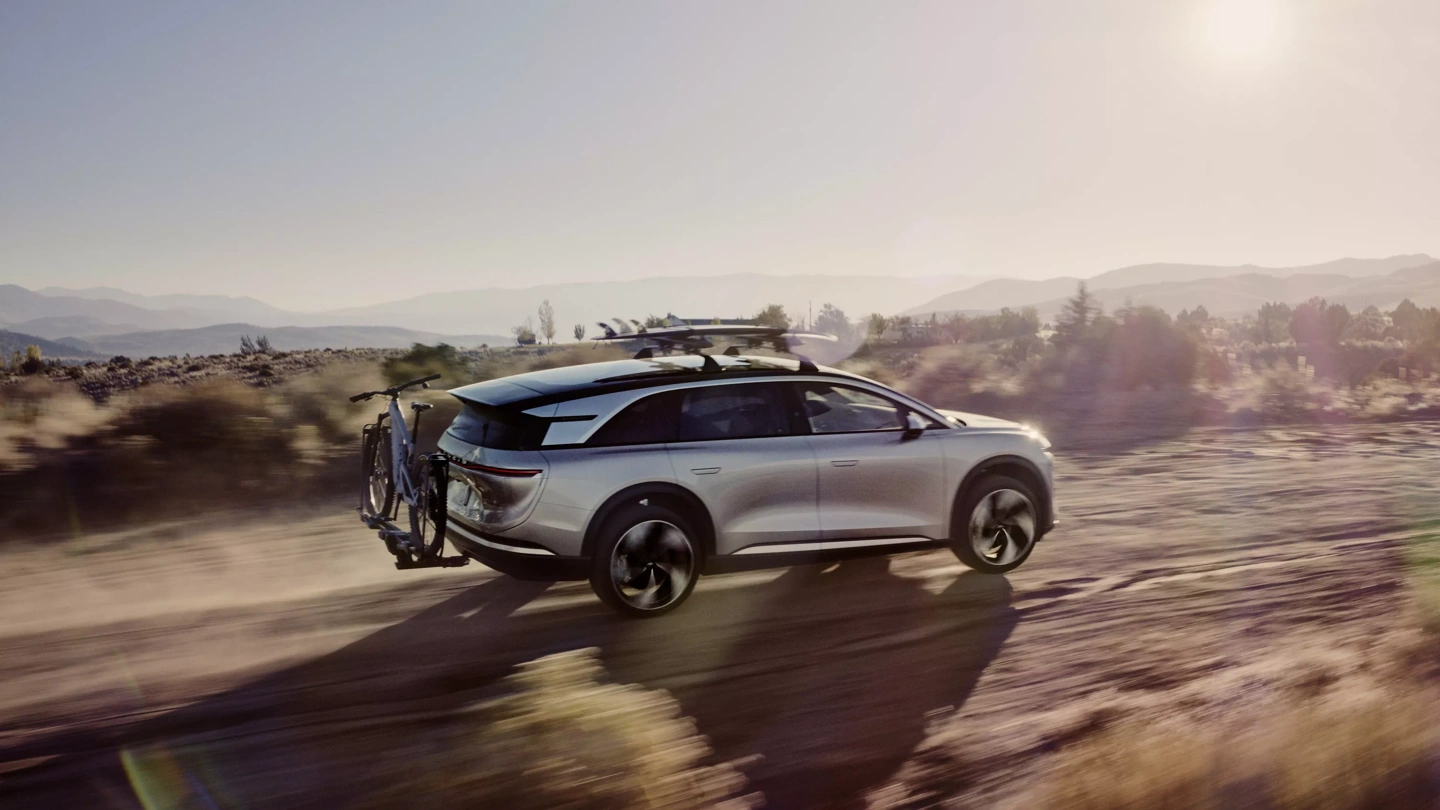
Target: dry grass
{"x": 1423, "y": 560}
{"x": 563, "y": 739}
{"x": 1382, "y": 754}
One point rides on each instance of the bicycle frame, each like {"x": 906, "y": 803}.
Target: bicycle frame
{"x": 402, "y": 444}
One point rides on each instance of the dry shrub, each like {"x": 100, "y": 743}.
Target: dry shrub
{"x": 949, "y": 374}
{"x": 573, "y": 356}
{"x": 1383, "y": 754}
{"x": 37, "y": 416}
{"x": 563, "y": 739}
{"x": 1285, "y": 396}
{"x": 165, "y": 450}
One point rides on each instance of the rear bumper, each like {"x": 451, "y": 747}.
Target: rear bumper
{"x": 522, "y": 563}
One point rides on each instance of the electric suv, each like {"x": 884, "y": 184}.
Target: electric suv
{"x": 640, "y": 475}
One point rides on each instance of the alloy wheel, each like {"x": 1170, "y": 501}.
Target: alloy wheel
{"x": 652, "y": 565}
{"x": 1002, "y": 527}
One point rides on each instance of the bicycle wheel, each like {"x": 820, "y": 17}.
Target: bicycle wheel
{"x": 377, "y": 485}
{"x": 427, "y": 513}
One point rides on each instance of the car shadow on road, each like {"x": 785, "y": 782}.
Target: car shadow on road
{"x": 820, "y": 681}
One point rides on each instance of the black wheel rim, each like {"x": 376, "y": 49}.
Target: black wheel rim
{"x": 652, "y": 565}
{"x": 1002, "y": 527}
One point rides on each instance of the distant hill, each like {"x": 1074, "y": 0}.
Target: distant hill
{"x": 18, "y": 305}
{"x": 108, "y": 311}
{"x": 216, "y": 307}
{"x": 17, "y": 341}
{"x": 1243, "y": 294}
{"x": 56, "y": 327}
{"x": 225, "y": 339}
{"x": 105, "y": 316}
{"x": 730, "y": 296}
{"x": 1158, "y": 280}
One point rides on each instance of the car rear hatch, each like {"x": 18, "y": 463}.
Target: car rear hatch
{"x": 496, "y": 469}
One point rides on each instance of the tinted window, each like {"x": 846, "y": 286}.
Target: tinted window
{"x": 733, "y": 412}
{"x": 841, "y": 409}
{"x": 493, "y": 428}
{"x": 648, "y": 421}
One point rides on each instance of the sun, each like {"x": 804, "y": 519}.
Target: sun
{"x": 1239, "y": 30}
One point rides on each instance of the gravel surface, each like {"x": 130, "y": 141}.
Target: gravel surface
{"x": 277, "y": 660}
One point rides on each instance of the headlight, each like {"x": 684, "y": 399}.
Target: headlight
{"x": 1038, "y": 437}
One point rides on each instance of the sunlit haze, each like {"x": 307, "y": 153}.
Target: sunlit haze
{"x": 319, "y": 155}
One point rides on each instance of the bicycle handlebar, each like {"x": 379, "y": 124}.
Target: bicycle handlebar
{"x": 394, "y": 390}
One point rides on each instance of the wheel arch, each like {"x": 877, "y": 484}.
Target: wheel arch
{"x": 666, "y": 493}
{"x": 1017, "y": 467}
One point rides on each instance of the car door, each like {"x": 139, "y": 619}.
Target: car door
{"x": 738, "y": 451}
{"x": 876, "y": 480}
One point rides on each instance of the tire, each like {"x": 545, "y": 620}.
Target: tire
{"x": 427, "y": 514}
{"x": 995, "y": 525}
{"x": 377, "y": 485}
{"x": 647, "y": 559}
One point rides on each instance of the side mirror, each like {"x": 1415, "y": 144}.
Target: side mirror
{"x": 915, "y": 425}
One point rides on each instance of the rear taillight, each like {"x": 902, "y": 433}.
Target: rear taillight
{"x": 503, "y": 472}
{"x": 493, "y": 498}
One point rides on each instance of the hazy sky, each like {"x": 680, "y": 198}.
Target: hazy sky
{"x": 321, "y": 154}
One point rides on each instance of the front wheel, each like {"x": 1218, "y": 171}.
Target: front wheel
{"x": 646, "y": 561}
{"x": 377, "y": 486}
{"x": 994, "y": 528}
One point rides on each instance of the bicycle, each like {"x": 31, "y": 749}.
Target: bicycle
{"x": 419, "y": 481}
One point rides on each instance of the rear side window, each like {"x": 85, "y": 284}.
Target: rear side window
{"x": 496, "y": 429}
{"x": 651, "y": 420}
{"x": 733, "y": 412}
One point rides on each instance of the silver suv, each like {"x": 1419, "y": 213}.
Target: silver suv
{"x": 641, "y": 474}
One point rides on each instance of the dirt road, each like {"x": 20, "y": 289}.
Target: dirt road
{"x": 279, "y": 661}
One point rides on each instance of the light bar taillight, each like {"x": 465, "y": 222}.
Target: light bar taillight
{"x": 503, "y": 472}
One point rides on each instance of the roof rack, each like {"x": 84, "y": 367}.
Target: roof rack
{"x": 695, "y": 339}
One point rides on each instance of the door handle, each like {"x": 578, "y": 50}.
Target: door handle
{"x": 848, "y": 462}
{"x": 705, "y": 470}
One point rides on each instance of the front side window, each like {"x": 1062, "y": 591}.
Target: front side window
{"x": 745, "y": 411}
{"x": 842, "y": 409}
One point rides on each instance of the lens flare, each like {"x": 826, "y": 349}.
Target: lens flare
{"x": 1239, "y": 30}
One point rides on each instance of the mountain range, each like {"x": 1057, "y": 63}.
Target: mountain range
{"x": 1223, "y": 290}
{"x": 103, "y": 321}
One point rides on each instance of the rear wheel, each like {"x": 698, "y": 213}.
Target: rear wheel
{"x": 646, "y": 561}
{"x": 995, "y": 525}
{"x": 427, "y": 514}
{"x": 377, "y": 486}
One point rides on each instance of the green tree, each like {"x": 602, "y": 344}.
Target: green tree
{"x": 1272, "y": 322}
{"x": 1073, "y": 323}
{"x": 1368, "y": 325}
{"x": 1412, "y": 323}
{"x": 1318, "y": 322}
{"x": 772, "y": 315}
{"x": 1195, "y": 320}
{"x": 832, "y": 321}
{"x": 579, "y": 331}
{"x": 875, "y": 325}
{"x": 547, "y": 321}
